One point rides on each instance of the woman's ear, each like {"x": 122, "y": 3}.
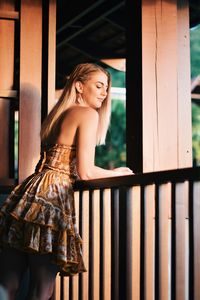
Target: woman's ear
{"x": 79, "y": 86}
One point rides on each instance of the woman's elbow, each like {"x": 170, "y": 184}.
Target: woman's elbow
{"x": 84, "y": 175}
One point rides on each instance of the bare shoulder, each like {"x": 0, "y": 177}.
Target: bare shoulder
{"x": 82, "y": 114}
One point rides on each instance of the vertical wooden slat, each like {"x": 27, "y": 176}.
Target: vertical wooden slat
{"x": 51, "y": 53}
{"x": 65, "y": 292}
{"x": 184, "y": 85}
{"x": 164, "y": 241}
{"x": 107, "y": 244}
{"x": 85, "y": 237}
{"x": 95, "y": 266}
{"x": 115, "y": 245}
{"x": 133, "y": 243}
{"x": 7, "y": 28}
{"x": 30, "y": 86}
{"x": 182, "y": 259}
{"x": 57, "y": 287}
{"x": 196, "y": 225}
{"x": 149, "y": 198}
{"x": 75, "y": 285}
{"x": 6, "y": 83}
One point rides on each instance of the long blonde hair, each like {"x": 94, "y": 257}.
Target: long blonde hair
{"x": 68, "y": 98}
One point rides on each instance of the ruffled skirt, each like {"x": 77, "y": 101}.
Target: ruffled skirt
{"x": 39, "y": 217}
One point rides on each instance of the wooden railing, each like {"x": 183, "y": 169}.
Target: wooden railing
{"x": 141, "y": 238}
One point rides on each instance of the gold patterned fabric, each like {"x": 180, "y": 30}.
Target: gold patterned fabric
{"x": 39, "y": 215}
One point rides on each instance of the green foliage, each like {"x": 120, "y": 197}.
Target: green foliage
{"x": 195, "y": 51}
{"x": 113, "y": 153}
{"x": 118, "y": 77}
{"x": 195, "y": 71}
{"x": 196, "y": 133}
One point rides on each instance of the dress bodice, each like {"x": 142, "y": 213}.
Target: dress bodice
{"x": 59, "y": 157}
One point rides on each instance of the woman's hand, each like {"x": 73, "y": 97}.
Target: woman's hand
{"x": 123, "y": 171}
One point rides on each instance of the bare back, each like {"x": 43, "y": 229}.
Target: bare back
{"x": 71, "y": 121}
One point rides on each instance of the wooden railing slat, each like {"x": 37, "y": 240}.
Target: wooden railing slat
{"x": 164, "y": 241}
{"x": 75, "y": 285}
{"x": 182, "y": 259}
{"x": 133, "y": 243}
{"x": 85, "y": 237}
{"x": 107, "y": 244}
{"x": 196, "y": 224}
{"x": 95, "y": 266}
{"x": 149, "y": 235}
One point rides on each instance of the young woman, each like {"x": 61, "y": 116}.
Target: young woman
{"x": 37, "y": 221}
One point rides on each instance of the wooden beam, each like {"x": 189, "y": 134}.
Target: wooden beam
{"x": 184, "y": 115}
{"x": 134, "y": 86}
{"x": 195, "y": 96}
{"x": 8, "y": 94}
{"x": 9, "y": 15}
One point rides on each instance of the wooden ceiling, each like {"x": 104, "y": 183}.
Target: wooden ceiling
{"x": 91, "y": 30}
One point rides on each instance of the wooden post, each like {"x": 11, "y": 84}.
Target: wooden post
{"x": 161, "y": 105}
{"x": 37, "y": 77}
{"x": 7, "y": 28}
{"x": 30, "y": 86}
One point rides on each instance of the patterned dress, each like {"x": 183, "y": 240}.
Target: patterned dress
{"x": 39, "y": 214}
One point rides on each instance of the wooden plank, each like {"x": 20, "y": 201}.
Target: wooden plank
{"x": 75, "y": 279}
{"x": 51, "y": 54}
{"x": 57, "y": 288}
{"x": 165, "y": 241}
{"x": 134, "y": 139}
{"x": 133, "y": 243}
{"x": 160, "y": 124}
{"x": 30, "y": 86}
{"x": 66, "y": 289}
{"x": 149, "y": 260}
{"x": 85, "y": 237}
{"x": 196, "y": 225}
{"x": 9, "y": 15}
{"x": 184, "y": 86}
{"x": 115, "y": 245}
{"x": 7, "y": 48}
{"x": 182, "y": 240}
{"x": 6, "y": 83}
{"x": 8, "y": 94}
{"x": 95, "y": 264}
{"x": 107, "y": 244}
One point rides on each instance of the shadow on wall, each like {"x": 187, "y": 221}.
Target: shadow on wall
{"x": 29, "y": 128}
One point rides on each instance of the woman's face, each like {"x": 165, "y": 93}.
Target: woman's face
{"x": 94, "y": 90}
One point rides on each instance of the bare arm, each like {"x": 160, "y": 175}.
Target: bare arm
{"x": 86, "y": 141}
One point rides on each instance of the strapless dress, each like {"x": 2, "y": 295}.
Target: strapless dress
{"x": 39, "y": 214}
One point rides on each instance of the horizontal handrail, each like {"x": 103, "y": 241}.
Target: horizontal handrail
{"x": 177, "y": 175}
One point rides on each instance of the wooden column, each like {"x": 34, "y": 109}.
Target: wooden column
{"x": 159, "y": 129}
{"x": 7, "y": 27}
{"x": 166, "y": 86}
{"x": 30, "y": 86}
{"x": 37, "y": 77}
{"x": 48, "y": 56}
